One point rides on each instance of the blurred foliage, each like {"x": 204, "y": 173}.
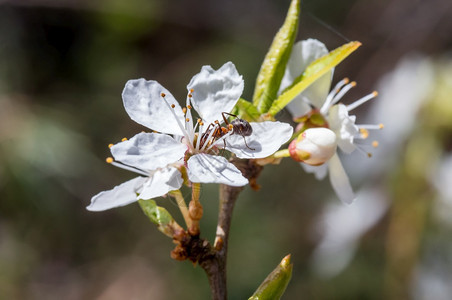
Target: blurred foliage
{"x": 63, "y": 65}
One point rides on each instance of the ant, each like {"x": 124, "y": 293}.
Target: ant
{"x": 238, "y": 126}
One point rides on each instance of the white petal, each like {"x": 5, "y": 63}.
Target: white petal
{"x": 215, "y": 92}
{"x": 265, "y": 140}
{"x": 344, "y": 127}
{"x": 207, "y": 168}
{"x": 121, "y": 195}
{"x": 339, "y": 180}
{"x": 299, "y": 106}
{"x": 149, "y": 151}
{"x": 143, "y": 102}
{"x": 161, "y": 182}
{"x": 303, "y": 54}
{"x": 318, "y": 171}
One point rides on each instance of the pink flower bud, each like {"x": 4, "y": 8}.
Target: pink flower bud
{"x": 314, "y": 146}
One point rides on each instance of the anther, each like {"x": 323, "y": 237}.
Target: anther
{"x": 375, "y": 144}
{"x": 163, "y": 95}
{"x": 364, "y": 133}
{"x": 381, "y": 126}
{"x": 375, "y": 93}
{"x": 124, "y": 139}
{"x": 184, "y": 110}
{"x": 346, "y": 80}
{"x": 109, "y": 160}
{"x": 190, "y": 95}
{"x": 187, "y": 119}
{"x": 353, "y": 83}
{"x": 201, "y": 123}
{"x": 173, "y": 106}
{"x": 110, "y": 145}
{"x": 369, "y": 155}
{"x": 189, "y": 106}
{"x": 199, "y": 120}
{"x": 230, "y": 126}
{"x": 191, "y": 91}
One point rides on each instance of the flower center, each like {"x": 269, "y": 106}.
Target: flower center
{"x": 207, "y": 136}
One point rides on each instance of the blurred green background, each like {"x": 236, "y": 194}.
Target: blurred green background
{"x": 63, "y": 65}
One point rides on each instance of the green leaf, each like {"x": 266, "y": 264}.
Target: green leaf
{"x": 314, "y": 71}
{"x": 159, "y": 216}
{"x": 273, "y": 287}
{"x": 274, "y": 65}
{"x": 246, "y": 110}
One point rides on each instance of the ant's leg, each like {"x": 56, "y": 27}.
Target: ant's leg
{"x": 208, "y": 127}
{"x": 208, "y": 133}
{"x": 247, "y": 144}
{"x": 224, "y": 118}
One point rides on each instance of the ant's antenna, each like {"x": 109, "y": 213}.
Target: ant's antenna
{"x": 327, "y": 26}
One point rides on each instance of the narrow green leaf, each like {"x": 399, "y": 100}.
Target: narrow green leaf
{"x": 159, "y": 216}
{"x": 246, "y": 110}
{"x": 314, "y": 71}
{"x": 273, "y": 287}
{"x": 272, "y": 69}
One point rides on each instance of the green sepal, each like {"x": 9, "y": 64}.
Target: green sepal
{"x": 273, "y": 287}
{"x": 314, "y": 71}
{"x": 246, "y": 110}
{"x": 272, "y": 69}
{"x": 159, "y": 216}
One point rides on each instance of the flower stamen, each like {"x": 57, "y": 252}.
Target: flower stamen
{"x": 371, "y": 126}
{"x": 362, "y": 100}
{"x": 219, "y": 140}
{"x": 209, "y": 137}
{"x": 342, "y": 92}
{"x": 364, "y": 133}
{"x": 360, "y": 149}
{"x": 334, "y": 91}
{"x": 182, "y": 128}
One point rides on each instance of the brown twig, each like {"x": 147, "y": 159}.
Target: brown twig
{"x": 213, "y": 258}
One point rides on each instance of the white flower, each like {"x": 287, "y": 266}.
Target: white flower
{"x": 183, "y": 142}
{"x": 336, "y": 115}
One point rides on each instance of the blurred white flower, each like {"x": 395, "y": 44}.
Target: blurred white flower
{"x": 441, "y": 179}
{"x": 432, "y": 279}
{"x": 402, "y": 92}
{"x": 340, "y": 228}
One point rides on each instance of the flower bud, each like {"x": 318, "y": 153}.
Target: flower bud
{"x": 314, "y": 146}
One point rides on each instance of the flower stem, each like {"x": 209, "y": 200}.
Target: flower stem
{"x": 182, "y": 206}
{"x": 215, "y": 266}
{"x": 282, "y": 153}
{"x": 195, "y": 210}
